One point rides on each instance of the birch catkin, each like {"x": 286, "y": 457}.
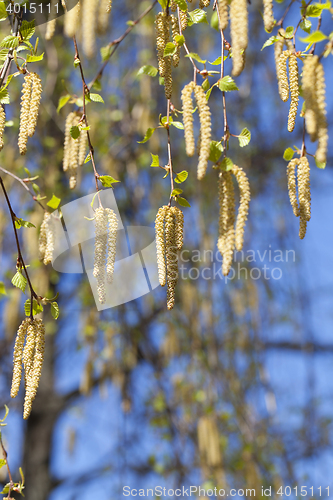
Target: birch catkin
{"x": 71, "y": 20}
{"x": 17, "y": 361}
{"x": 226, "y": 241}
{"x": 47, "y": 239}
{"x": 175, "y": 33}
{"x": 33, "y": 362}
{"x": 205, "y": 130}
{"x": 171, "y": 257}
{"x": 282, "y": 75}
{"x": 103, "y": 14}
{"x": 239, "y": 34}
{"x": 304, "y": 192}
{"x": 245, "y": 197}
{"x": 164, "y": 63}
{"x": 67, "y": 142}
{"x": 186, "y": 98}
{"x": 112, "y": 244}
{"x": 321, "y": 152}
{"x": 268, "y": 15}
{"x": 292, "y": 185}
{"x": 179, "y": 226}
{"x": 294, "y": 91}
{"x": 89, "y": 24}
{"x": 223, "y": 14}
{"x": 160, "y": 245}
{"x": 24, "y": 114}
{"x": 309, "y": 88}
{"x": 101, "y": 223}
{"x": 2, "y": 125}
{"x": 36, "y": 93}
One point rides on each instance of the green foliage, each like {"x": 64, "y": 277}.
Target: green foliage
{"x": 170, "y": 49}
{"x": 155, "y": 161}
{"x": 244, "y": 137}
{"x": 96, "y": 98}
{"x": 315, "y": 37}
{"x": 4, "y": 96}
{"x": 196, "y": 57}
{"x": 148, "y": 135}
{"x": 197, "y": 16}
{"x": 2, "y": 288}
{"x": 319, "y": 164}
{"x": 288, "y": 154}
{"x": 182, "y": 201}
{"x": 226, "y": 84}
{"x": 181, "y": 177}
{"x": 271, "y": 40}
{"x": 75, "y": 132}
{"x": 107, "y": 180}
{"x": 10, "y": 42}
{"x": 148, "y": 70}
{"x": 216, "y": 149}
{"x": 27, "y": 29}
{"x": 19, "y": 281}
{"x": 3, "y": 12}
{"x": 182, "y": 4}
{"x": 36, "y": 308}
{"x": 55, "y": 310}
{"x": 227, "y": 164}
{"x": 23, "y": 223}
{"x": 54, "y": 202}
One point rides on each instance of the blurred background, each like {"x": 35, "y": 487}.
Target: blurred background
{"x": 233, "y": 388}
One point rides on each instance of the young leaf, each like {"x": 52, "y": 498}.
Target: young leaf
{"x": 54, "y": 202}
{"x": 170, "y": 49}
{"x": 177, "y": 125}
{"x": 75, "y": 132}
{"x": 320, "y": 164}
{"x": 176, "y": 192}
{"x": 205, "y": 84}
{"x": 306, "y": 25}
{"x": 227, "y": 164}
{"x": 19, "y": 281}
{"x": 27, "y": 29}
{"x": 197, "y": 16}
{"x": 36, "y": 308}
{"x": 147, "y": 70}
{"x": 22, "y": 223}
{"x": 55, "y": 310}
{"x": 107, "y": 180}
{"x": 2, "y": 288}
{"x": 3, "y": 12}
{"x": 180, "y": 39}
{"x": 96, "y": 98}
{"x": 196, "y": 57}
{"x": 270, "y": 41}
{"x": 63, "y": 101}
{"x": 315, "y": 37}
{"x": 182, "y": 201}
{"x": 10, "y": 42}
{"x": 288, "y": 154}
{"x": 181, "y": 177}
{"x": 216, "y": 149}
{"x": 289, "y": 32}
{"x": 4, "y": 96}
{"x": 88, "y": 158}
{"x": 148, "y": 135}
{"x": 182, "y": 4}
{"x": 163, "y": 3}
{"x": 31, "y": 58}
{"x": 244, "y": 137}
{"x": 226, "y": 84}
{"x": 155, "y": 160}
{"x": 105, "y": 53}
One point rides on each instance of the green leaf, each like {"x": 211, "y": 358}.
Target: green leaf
{"x": 180, "y": 39}
{"x": 105, "y": 53}
{"x": 197, "y": 16}
{"x": 27, "y": 29}
{"x": 4, "y": 418}
{"x": 176, "y": 192}
{"x": 2, "y": 288}
{"x": 36, "y": 308}
{"x": 2, "y": 462}
{"x": 31, "y": 58}
{"x": 182, "y": 4}
{"x": 181, "y": 177}
{"x": 313, "y": 10}
{"x": 196, "y": 57}
{"x": 10, "y": 42}
{"x": 170, "y": 49}
{"x": 315, "y": 37}
{"x": 306, "y": 25}
{"x": 4, "y": 96}
{"x": 182, "y": 201}
{"x": 288, "y": 154}
{"x": 63, "y": 101}
{"x": 320, "y": 164}
{"x": 54, "y": 202}
{"x": 147, "y": 70}
{"x": 155, "y": 160}
{"x": 148, "y": 135}
{"x": 19, "y": 281}
{"x": 244, "y": 137}
{"x": 214, "y": 21}
{"x": 209, "y": 91}
{"x": 216, "y": 149}
{"x": 96, "y": 98}
{"x": 205, "y": 84}
{"x": 22, "y": 223}
{"x": 270, "y": 41}
{"x": 75, "y": 132}
{"x": 88, "y": 158}
{"x": 3, "y": 12}
{"x": 226, "y": 84}
{"x": 289, "y": 32}
{"x": 216, "y": 62}
{"x": 227, "y": 164}
{"x": 55, "y": 310}
{"x": 107, "y": 180}
{"x": 177, "y": 125}
{"x": 163, "y": 3}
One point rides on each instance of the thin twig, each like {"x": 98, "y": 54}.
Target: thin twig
{"x": 195, "y": 68}
{"x": 280, "y": 22}
{"x": 226, "y": 128}
{"x": 24, "y": 184}
{"x": 5, "y": 455}
{"x": 169, "y": 152}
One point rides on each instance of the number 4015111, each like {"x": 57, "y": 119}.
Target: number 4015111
{"x": 31, "y": 8}
{"x": 303, "y": 491}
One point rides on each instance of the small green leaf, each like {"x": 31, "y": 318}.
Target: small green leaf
{"x": 2, "y": 288}
{"x": 96, "y": 98}
{"x": 182, "y": 4}
{"x": 2, "y": 462}
{"x": 147, "y": 70}
{"x": 197, "y": 16}
{"x": 270, "y": 41}
{"x": 176, "y": 192}
{"x": 31, "y": 58}
{"x": 55, "y": 310}
{"x": 289, "y": 32}
{"x": 107, "y": 180}
{"x": 227, "y": 164}
{"x": 217, "y": 62}
{"x": 320, "y": 164}
{"x": 288, "y": 154}
{"x": 214, "y": 21}
{"x": 148, "y": 135}
{"x": 88, "y": 158}
{"x": 306, "y": 25}
{"x": 226, "y": 84}
{"x": 63, "y": 101}
{"x": 22, "y": 223}
{"x": 4, "y": 96}
{"x": 54, "y": 202}
{"x": 36, "y": 308}
{"x": 177, "y": 125}
{"x": 27, "y": 29}
{"x": 315, "y": 37}
{"x": 180, "y": 39}
{"x": 181, "y": 177}
{"x": 105, "y": 52}
{"x": 216, "y": 149}
{"x": 3, "y": 12}
{"x": 182, "y": 201}
{"x": 10, "y": 42}
{"x": 155, "y": 161}
{"x": 244, "y": 137}
{"x": 75, "y": 132}
{"x": 170, "y": 49}
{"x": 205, "y": 84}
{"x": 19, "y": 281}
{"x": 6, "y": 414}
{"x": 163, "y": 3}
{"x": 313, "y": 10}
{"x": 196, "y": 57}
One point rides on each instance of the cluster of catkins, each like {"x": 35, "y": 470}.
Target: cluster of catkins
{"x": 106, "y": 225}
{"x": 169, "y": 227}
{"x": 28, "y": 353}
{"x": 86, "y": 19}
{"x": 313, "y": 86}
{"x": 231, "y": 236}
{"x": 74, "y": 149}
{"x": 2, "y": 125}
{"x": 46, "y": 239}
{"x": 302, "y": 206}
{"x": 293, "y": 84}
{"x": 205, "y": 125}
{"x": 209, "y": 441}
{"x": 31, "y": 95}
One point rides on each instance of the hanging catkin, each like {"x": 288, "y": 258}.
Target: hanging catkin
{"x": 278, "y": 49}
{"x": 89, "y": 24}
{"x": 36, "y": 93}
{"x": 208, "y": 441}
{"x": 187, "y": 102}
{"x": 103, "y": 15}
{"x": 205, "y": 130}
{"x": 223, "y": 14}
{"x": 226, "y": 241}
{"x": 47, "y": 239}
{"x": 101, "y": 232}
{"x": 294, "y": 91}
{"x": 82, "y": 147}
{"x": 164, "y": 63}
{"x": 245, "y": 197}
{"x": 50, "y": 29}
{"x": 160, "y": 244}
{"x": 67, "y": 141}
{"x": 18, "y": 354}
{"x": 71, "y": 20}
{"x": 2, "y": 125}
{"x": 112, "y": 244}
{"x": 309, "y": 85}
{"x": 24, "y": 114}
{"x": 321, "y": 152}
{"x": 179, "y": 226}
{"x": 33, "y": 362}
{"x": 171, "y": 257}
{"x": 304, "y": 191}
{"x": 268, "y": 15}
{"x": 292, "y": 185}
{"x": 183, "y": 19}
{"x": 239, "y": 34}
{"x": 282, "y": 75}
{"x": 175, "y": 33}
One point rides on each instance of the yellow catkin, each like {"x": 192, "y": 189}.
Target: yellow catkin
{"x": 89, "y": 24}
{"x": 103, "y": 15}
{"x": 24, "y": 114}
{"x": 67, "y": 142}
{"x": 226, "y": 241}
{"x": 71, "y": 20}
{"x": 204, "y": 3}
{"x": 74, "y": 155}
{"x": 112, "y": 244}
{"x": 36, "y": 93}
{"x": 239, "y": 34}
{"x": 50, "y": 29}
{"x": 35, "y": 368}
{"x": 171, "y": 257}
{"x": 2, "y": 125}
{"x": 160, "y": 244}
{"x": 321, "y": 152}
{"x": 17, "y": 358}
{"x": 179, "y": 227}
{"x": 173, "y": 6}
{"x": 223, "y": 14}
{"x": 208, "y": 441}
{"x": 183, "y": 19}
{"x": 278, "y": 49}
{"x": 304, "y": 190}
{"x": 164, "y": 63}
{"x": 309, "y": 89}
{"x": 282, "y": 75}
{"x": 187, "y": 102}
{"x": 294, "y": 91}
{"x": 205, "y": 130}
{"x": 101, "y": 226}
{"x": 245, "y": 197}
{"x": 175, "y": 32}
{"x": 46, "y": 239}
{"x": 268, "y": 15}
{"x": 292, "y": 185}
{"x": 82, "y": 147}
